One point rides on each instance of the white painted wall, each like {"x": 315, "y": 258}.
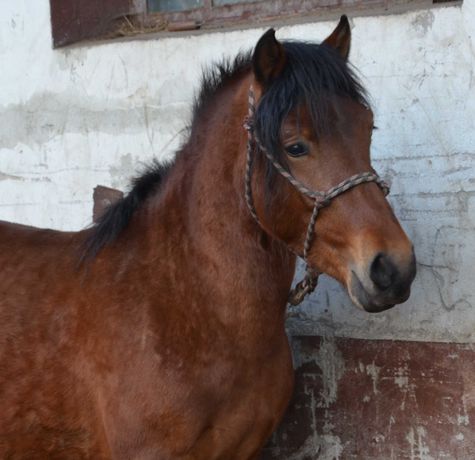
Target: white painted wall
{"x": 74, "y": 118}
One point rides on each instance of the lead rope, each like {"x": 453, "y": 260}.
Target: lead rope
{"x": 321, "y": 199}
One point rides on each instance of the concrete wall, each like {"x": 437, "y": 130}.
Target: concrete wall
{"x": 74, "y": 118}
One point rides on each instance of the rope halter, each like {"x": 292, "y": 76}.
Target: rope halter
{"x": 320, "y": 199}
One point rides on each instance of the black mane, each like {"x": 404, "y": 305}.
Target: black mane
{"x": 117, "y": 216}
{"x": 215, "y": 77}
{"x": 111, "y": 224}
{"x": 314, "y": 74}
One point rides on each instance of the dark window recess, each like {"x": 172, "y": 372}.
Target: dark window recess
{"x": 173, "y": 5}
{"x": 230, "y": 2}
{"x": 75, "y": 20}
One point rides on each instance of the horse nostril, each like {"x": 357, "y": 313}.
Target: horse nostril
{"x": 383, "y": 272}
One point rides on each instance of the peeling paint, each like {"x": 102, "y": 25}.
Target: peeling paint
{"x": 325, "y": 447}
{"x": 310, "y": 449}
{"x": 402, "y": 381}
{"x": 423, "y": 408}
{"x": 418, "y": 448}
{"x": 373, "y": 371}
{"x": 463, "y": 420}
{"x": 331, "y": 363}
{"x": 332, "y": 448}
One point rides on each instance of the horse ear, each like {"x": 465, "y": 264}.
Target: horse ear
{"x": 269, "y": 58}
{"x": 340, "y": 38}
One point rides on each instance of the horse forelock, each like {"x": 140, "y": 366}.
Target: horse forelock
{"x": 315, "y": 76}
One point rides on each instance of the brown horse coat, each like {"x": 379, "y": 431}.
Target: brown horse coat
{"x": 168, "y": 340}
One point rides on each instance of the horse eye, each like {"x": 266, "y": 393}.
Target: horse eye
{"x": 297, "y": 150}
{"x": 375, "y": 128}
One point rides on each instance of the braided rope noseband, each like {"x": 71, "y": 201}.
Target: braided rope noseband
{"x": 321, "y": 199}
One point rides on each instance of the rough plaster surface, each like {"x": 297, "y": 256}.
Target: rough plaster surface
{"x": 74, "y": 118}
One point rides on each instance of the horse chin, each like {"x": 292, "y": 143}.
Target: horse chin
{"x": 363, "y": 299}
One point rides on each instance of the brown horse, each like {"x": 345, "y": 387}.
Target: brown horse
{"x": 159, "y": 333}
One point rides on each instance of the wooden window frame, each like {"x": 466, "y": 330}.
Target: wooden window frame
{"x": 76, "y": 20}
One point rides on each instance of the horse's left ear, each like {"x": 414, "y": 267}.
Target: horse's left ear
{"x": 340, "y": 38}
{"x": 269, "y": 58}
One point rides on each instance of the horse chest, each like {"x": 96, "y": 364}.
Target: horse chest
{"x": 226, "y": 411}
{"x": 248, "y": 408}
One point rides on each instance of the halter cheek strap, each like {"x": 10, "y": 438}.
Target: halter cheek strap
{"x": 320, "y": 199}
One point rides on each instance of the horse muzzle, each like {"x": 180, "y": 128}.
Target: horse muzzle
{"x": 383, "y": 284}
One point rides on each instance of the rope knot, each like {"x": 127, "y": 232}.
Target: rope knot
{"x": 324, "y": 202}
{"x": 303, "y": 288}
{"x": 248, "y": 124}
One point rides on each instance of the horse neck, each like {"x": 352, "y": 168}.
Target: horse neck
{"x": 222, "y": 243}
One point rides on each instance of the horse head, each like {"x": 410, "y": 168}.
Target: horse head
{"x": 312, "y": 123}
